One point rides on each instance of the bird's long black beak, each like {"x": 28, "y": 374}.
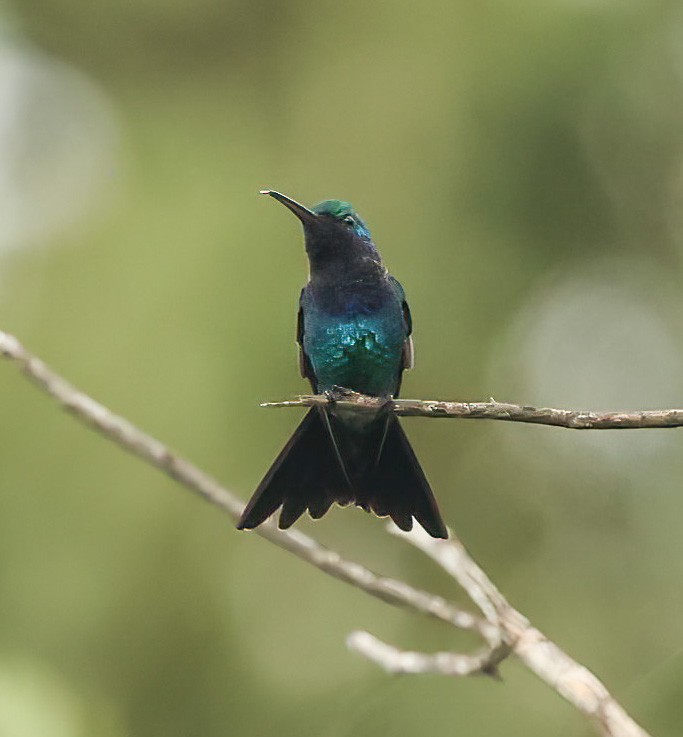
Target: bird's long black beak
{"x": 303, "y": 213}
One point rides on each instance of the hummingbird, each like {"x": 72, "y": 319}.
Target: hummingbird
{"x": 354, "y": 330}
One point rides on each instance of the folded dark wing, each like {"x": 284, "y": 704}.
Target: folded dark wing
{"x": 305, "y": 366}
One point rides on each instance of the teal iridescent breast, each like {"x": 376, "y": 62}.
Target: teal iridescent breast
{"x": 361, "y": 352}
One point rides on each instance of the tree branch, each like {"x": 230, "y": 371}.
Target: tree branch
{"x": 570, "y": 679}
{"x": 502, "y": 627}
{"x": 573, "y": 419}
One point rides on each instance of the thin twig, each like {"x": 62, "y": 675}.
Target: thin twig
{"x": 501, "y": 623}
{"x": 410, "y": 662}
{"x": 573, "y": 419}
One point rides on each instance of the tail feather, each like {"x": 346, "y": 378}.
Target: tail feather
{"x": 318, "y": 508}
{"x": 306, "y": 473}
{"x": 292, "y": 508}
{"x": 314, "y": 470}
{"x": 399, "y": 487}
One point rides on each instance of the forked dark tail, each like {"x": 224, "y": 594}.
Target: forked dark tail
{"x": 309, "y": 475}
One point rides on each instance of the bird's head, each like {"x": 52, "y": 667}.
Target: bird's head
{"x": 343, "y": 214}
{"x": 334, "y": 233}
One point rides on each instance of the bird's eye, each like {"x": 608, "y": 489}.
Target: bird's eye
{"x": 349, "y": 220}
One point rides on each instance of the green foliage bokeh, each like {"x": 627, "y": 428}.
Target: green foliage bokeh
{"x": 519, "y": 164}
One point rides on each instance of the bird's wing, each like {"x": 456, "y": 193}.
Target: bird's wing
{"x": 408, "y": 355}
{"x": 305, "y": 366}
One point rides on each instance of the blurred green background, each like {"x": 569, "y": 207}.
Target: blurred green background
{"x": 519, "y": 164}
